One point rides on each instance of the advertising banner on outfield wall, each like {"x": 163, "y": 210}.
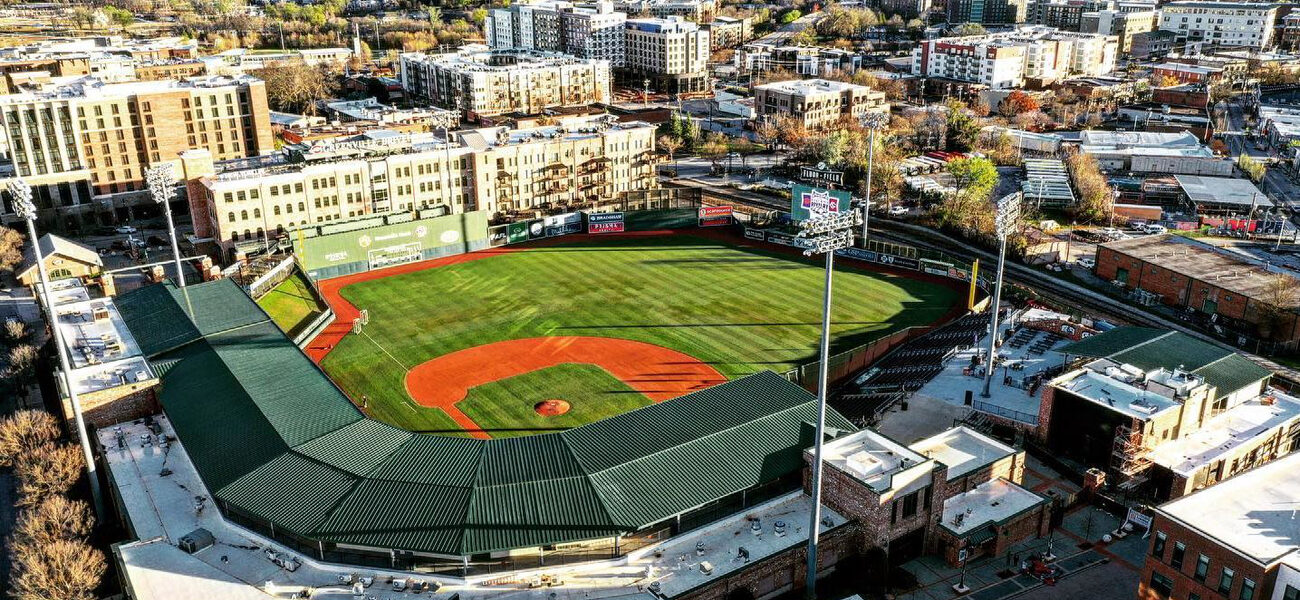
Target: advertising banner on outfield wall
{"x": 516, "y": 232}
{"x": 715, "y": 216}
{"x": 536, "y": 229}
{"x": 334, "y": 253}
{"x": 562, "y": 224}
{"x": 610, "y": 222}
{"x": 805, "y": 201}
{"x": 755, "y": 234}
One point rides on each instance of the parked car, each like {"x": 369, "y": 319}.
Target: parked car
{"x": 125, "y": 229}
{"x": 1087, "y": 262}
{"x": 1154, "y": 229}
{"x": 897, "y": 210}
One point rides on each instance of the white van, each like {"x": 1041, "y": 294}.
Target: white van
{"x": 1152, "y": 229}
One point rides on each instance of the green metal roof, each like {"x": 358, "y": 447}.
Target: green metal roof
{"x": 270, "y": 434}
{"x": 1149, "y": 349}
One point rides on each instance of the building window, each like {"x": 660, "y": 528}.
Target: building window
{"x": 1247, "y": 589}
{"x": 1203, "y": 568}
{"x": 1291, "y": 593}
{"x": 1161, "y": 585}
{"x": 1225, "y": 581}
{"x": 1176, "y": 559}
{"x": 909, "y": 504}
{"x": 1158, "y": 546}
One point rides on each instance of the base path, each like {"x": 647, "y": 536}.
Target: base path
{"x": 657, "y": 372}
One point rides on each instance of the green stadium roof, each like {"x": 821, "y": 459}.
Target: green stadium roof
{"x": 272, "y": 436}
{"x": 1150, "y": 349}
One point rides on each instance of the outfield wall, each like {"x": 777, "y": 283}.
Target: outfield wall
{"x": 334, "y": 250}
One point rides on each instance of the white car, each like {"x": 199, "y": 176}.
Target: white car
{"x": 1087, "y": 262}
{"x": 125, "y": 229}
{"x": 897, "y": 211}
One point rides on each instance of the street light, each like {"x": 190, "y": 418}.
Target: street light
{"x": 21, "y": 193}
{"x": 824, "y": 233}
{"x": 1007, "y": 212}
{"x": 873, "y": 122}
{"x": 161, "y": 179}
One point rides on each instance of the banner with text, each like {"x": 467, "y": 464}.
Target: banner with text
{"x": 806, "y": 201}
{"x": 610, "y": 222}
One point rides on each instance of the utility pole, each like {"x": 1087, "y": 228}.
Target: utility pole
{"x": 829, "y": 228}
{"x": 1007, "y": 210}
{"x": 21, "y": 193}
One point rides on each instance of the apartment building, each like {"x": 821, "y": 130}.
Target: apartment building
{"x": 84, "y": 146}
{"x": 109, "y": 59}
{"x": 817, "y": 103}
{"x": 241, "y": 205}
{"x": 593, "y": 31}
{"x": 1063, "y": 14}
{"x": 698, "y": 11}
{"x": 758, "y": 58}
{"x": 988, "y": 12}
{"x": 1220, "y": 24}
{"x": 485, "y": 83}
{"x": 1123, "y": 25}
{"x": 1007, "y": 60}
{"x": 729, "y": 32}
{"x": 1234, "y": 541}
{"x": 671, "y": 53}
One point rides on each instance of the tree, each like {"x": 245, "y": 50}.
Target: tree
{"x": 119, "y": 17}
{"x": 966, "y": 29}
{"x": 790, "y": 17}
{"x": 974, "y": 177}
{"x": 11, "y": 248}
{"x": 839, "y": 22}
{"x": 670, "y": 145}
{"x": 767, "y": 133}
{"x": 963, "y": 128}
{"x": 968, "y": 207}
{"x": 55, "y": 518}
{"x": 1253, "y": 169}
{"x": 22, "y": 363}
{"x": 714, "y": 146}
{"x": 297, "y": 86}
{"x": 1096, "y": 200}
{"x": 23, "y": 432}
{"x": 15, "y": 330}
{"x": 47, "y": 471}
{"x": 805, "y": 37}
{"x": 1017, "y": 102}
{"x": 62, "y": 570}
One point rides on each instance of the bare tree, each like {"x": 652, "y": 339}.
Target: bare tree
{"x": 15, "y": 330}
{"x": 297, "y": 87}
{"x": 24, "y": 431}
{"x": 61, "y": 570}
{"x": 1280, "y": 301}
{"x": 55, "y": 518}
{"x": 22, "y": 364}
{"x": 47, "y": 471}
{"x": 11, "y": 249}
{"x": 670, "y": 145}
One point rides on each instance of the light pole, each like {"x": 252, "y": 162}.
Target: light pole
{"x": 161, "y": 179}
{"x": 22, "y": 199}
{"x": 873, "y": 123}
{"x": 1007, "y": 212}
{"x": 825, "y": 232}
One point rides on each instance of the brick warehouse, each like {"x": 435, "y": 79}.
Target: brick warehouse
{"x": 1248, "y": 298}
{"x": 1236, "y": 540}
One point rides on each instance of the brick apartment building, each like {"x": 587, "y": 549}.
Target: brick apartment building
{"x": 1234, "y": 541}
{"x": 1234, "y": 293}
{"x": 817, "y": 103}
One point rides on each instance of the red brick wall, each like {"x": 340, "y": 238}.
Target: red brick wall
{"x": 785, "y": 571}
{"x": 853, "y": 499}
{"x": 1034, "y": 523}
{"x": 1184, "y": 583}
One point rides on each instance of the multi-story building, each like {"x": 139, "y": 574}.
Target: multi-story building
{"x": 671, "y": 53}
{"x": 240, "y": 60}
{"x": 1063, "y": 14}
{"x": 991, "y": 12}
{"x": 1006, "y": 60}
{"x": 757, "y": 58}
{"x": 109, "y": 59}
{"x": 485, "y": 83}
{"x": 1153, "y": 44}
{"x": 1235, "y": 540}
{"x": 729, "y": 32}
{"x": 1123, "y": 25}
{"x": 698, "y": 11}
{"x": 817, "y": 103}
{"x": 592, "y": 31}
{"x": 596, "y": 32}
{"x": 242, "y": 204}
{"x": 84, "y": 146}
{"x": 1220, "y": 24}
{"x": 1289, "y": 40}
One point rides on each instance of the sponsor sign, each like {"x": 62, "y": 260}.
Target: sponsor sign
{"x": 715, "y": 216}
{"x": 611, "y": 222}
{"x": 516, "y": 232}
{"x": 536, "y": 229}
{"x": 1138, "y": 519}
{"x": 561, "y": 224}
{"x": 787, "y": 240}
{"x": 806, "y": 201}
{"x": 857, "y": 253}
{"x": 901, "y": 262}
{"x": 755, "y": 234}
{"x": 820, "y": 175}
{"x": 935, "y": 267}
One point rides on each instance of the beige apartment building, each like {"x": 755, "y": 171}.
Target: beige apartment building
{"x": 671, "y": 53}
{"x": 818, "y": 103}
{"x": 487, "y": 83}
{"x": 84, "y": 146}
{"x": 242, "y": 205}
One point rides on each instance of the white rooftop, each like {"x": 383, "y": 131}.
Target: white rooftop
{"x": 101, "y": 351}
{"x": 1223, "y": 435}
{"x": 989, "y": 503}
{"x": 807, "y": 87}
{"x": 1222, "y": 190}
{"x": 160, "y": 511}
{"x": 881, "y": 463}
{"x": 1112, "y": 393}
{"x": 1254, "y": 512}
{"x": 963, "y": 450}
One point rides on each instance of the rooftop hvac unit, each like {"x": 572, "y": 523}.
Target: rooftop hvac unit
{"x": 196, "y": 540}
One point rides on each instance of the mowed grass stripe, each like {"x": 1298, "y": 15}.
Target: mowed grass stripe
{"x": 739, "y": 309}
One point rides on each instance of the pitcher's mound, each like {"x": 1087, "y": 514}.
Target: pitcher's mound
{"x": 551, "y": 408}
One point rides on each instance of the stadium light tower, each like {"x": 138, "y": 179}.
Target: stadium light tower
{"x": 22, "y": 199}
{"x": 161, "y": 179}
{"x": 825, "y": 232}
{"x": 873, "y": 122}
{"x": 1007, "y": 213}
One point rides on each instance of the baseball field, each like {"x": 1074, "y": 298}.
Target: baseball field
{"x": 515, "y": 341}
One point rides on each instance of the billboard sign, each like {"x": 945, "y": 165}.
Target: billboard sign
{"x": 610, "y": 222}
{"x": 536, "y": 229}
{"x": 715, "y": 216}
{"x": 561, "y": 224}
{"x": 788, "y": 240}
{"x": 807, "y": 201}
{"x": 820, "y": 175}
{"x": 755, "y": 234}
{"x": 383, "y": 245}
{"x": 516, "y": 232}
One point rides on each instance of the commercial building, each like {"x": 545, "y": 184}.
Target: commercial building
{"x": 64, "y": 259}
{"x": 755, "y": 59}
{"x": 698, "y": 11}
{"x": 1231, "y": 541}
{"x": 83, "y": 146}
{"x": 729, "y": 32}
{"x": 1237, "y": 295}
{"x": 241, "y": 60}
{"x": 1220, "y": 24}
{"x": 1123, "y": 25}
{"x": 988, "y": 12}
{"x": 1007, "y": 60}
{"x": 1153, "y": 44}
{"x": 1153, "y": 152}
{"x": 485, "y": 83}
{"x": 817, "y": 103}
{"x": 593, "y": 31}
{"x": 1066, "y": 15}
{"x": 245, "y": 205}
{"x": 1163, "y": 411}
{"x": 1280, "y": 124}
{"x": 671, "y": 53}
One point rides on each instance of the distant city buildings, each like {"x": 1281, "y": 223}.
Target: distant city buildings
{"x": 109, "y": 59}
{"x": 486, "y": 83}
{"x": 817, "y": 103}
{"x": 988, "y": 12}
{"x": 1123, "y": 25}
{"x": 1007, "y": 60}
{"x": 1220, "y": 24}
{"x": 755, "y": 59}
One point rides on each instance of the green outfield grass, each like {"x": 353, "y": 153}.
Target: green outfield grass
{"x": 291, "y": 304}
{"x": 742, "y": 310}
{"x": 593, "y": 393}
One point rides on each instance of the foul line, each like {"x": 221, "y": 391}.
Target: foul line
{"x": 390, "y": 354}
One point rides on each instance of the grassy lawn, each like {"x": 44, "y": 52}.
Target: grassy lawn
{"x": 291, "y": 304}
{"x": 741, "y": 310}
{"x": 506, "y": 407}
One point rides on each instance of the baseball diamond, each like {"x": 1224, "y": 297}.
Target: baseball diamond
{"x": 650, "y": 317}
